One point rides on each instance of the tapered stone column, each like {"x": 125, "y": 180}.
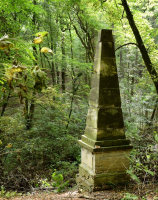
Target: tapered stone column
{"x": 104, "y": 147}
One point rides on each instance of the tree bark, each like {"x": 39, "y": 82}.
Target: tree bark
{"x": 51, "y": 46}
{"x": 141, "y": 46}
{"x": 5, "y": 102}
{"x": 63, "y": 72}
{"x": 29, "y": 111}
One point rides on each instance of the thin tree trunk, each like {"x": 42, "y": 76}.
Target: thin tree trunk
{"x": 128, "y": 79}
{"x": 57, "y": 69}
{"x": 35, "y": 55}
{"x": 29, "y": 111}
{"x": 121, "y": 64}
{"x": 53, "y": 73}
{"x": 51, "y": 46}
{"x": 153, "y": 113}
{"x": 72, "y": 54}
{"x": 63, "y": 72}
{"x": 5, "y": 103}
{"x": 32, "y": 109}
{"x": 33, "y": 47}
{"x": 41, "y": 56}
{"x": 145, "y": 55}
{"x": 132, "y": 84}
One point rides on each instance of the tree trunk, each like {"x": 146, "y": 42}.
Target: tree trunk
{"x": 63, "y": 72}
{"x": 72, "y": 54}
{"x": 51, "y": 46}
{"x": 5, "y": 102}
{"x": 145, "y": 56}
{"x": 34, "y": 47}
{"x": 29, "y": 112}
{"x": 122, "y": 67}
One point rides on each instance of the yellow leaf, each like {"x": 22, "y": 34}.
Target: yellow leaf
{"x": 4, "y": 44}
{"x": 14, "y": 69}
{"x": 38, "y": 40}
{"x": 9, "y": 145}
{"x": 3, "y": 90}
{"x": 17, "y": 68}
{"x": 46, "y": 50}
{"x": 41, "y": 34}
{"x": 0, "y": 141}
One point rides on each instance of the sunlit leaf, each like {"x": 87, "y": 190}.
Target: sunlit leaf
{"x": 18, "y": 68}
{"x": 0, "y": 141}
{"x": 14, "y": 69}
{"x": 133, "y": 176}
{"x": 31, "y": 54}
{"x": 41, "y": 34}
{"x": 4, "y": 44}
{"x": 9, "y": 145}
{"x": 46, "y": 50}
{"x": 38, "y": 40}
{"x": 5, "y": 37}
{"x": 156, "y": 138}
{"x": 150, "y": 172}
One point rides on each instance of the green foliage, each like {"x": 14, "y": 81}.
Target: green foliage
{"x": 45, "y": 146}
{"x": 58, "y": 181}
{"x": 57, "y": 178}
{"x": 133, "y": 176}
{"x": 129, "y": 196}
{"x": 8, "y": 194}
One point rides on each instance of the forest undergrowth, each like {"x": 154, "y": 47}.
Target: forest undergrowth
{"x": 47, "y": 157}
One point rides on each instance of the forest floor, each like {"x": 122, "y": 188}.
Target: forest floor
{"x": 147, "y": 192}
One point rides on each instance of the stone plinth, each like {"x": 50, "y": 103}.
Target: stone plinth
{"x": 104, "y": 147}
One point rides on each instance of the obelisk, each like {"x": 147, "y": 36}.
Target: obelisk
{"x": 104, "y": 147}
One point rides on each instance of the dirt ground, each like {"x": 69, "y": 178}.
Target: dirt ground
{"x": 72, "y": 195}
{"x": 149, "y": 192}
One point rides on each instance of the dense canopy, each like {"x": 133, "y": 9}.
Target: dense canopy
{"x": 47, "y": 50}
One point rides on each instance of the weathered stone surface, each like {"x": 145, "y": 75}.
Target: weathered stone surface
{"x": 104, "y": 81}
{"x": 104, "y": 97}
{"x": 103, "y": 118}
{"x": 104, "y": 143}
{"x": 109, "y": 97}
{"x": 105, "y": 66}
{"x": 105, "y": 35}
{"x": 99, "y": 170}
{"x": 104, "y": 134}
{"x": 108, "y": 66}
{"x": 102, "y": 182}
{"x": 108, "y": 82}
{"x": 97, "y": 149}
{"x": 95, "y": 80}
{"x": 107, "y": 50}
{"x": 98, "y": 50}
{"x": 106, "y": 162}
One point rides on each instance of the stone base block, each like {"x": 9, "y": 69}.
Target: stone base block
{"x": 103, "y": 169}
{"x": 102, "y": 182}
{"x": 95, "y": 182}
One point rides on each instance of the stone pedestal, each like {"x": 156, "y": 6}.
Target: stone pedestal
{"x": 104, "y": 147}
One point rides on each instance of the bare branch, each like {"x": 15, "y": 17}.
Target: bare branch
{"x": 126, "y": 45}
